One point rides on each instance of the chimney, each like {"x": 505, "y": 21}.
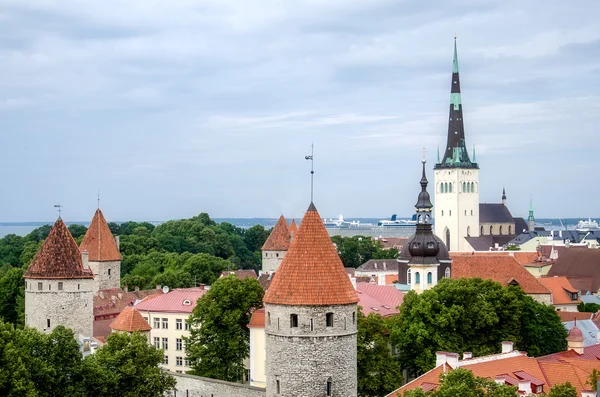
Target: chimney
{"x": 113, "y": 299}
{"x": 120, "y": 295}
{"x": 575, "y": 340}
{"x": 467, "y": 355}
{"x": 375, "y": 265}
{"x": 588, "y": 393}
{"x": 440, "y": 358}
{"x": 118, "y": 241}
{"x": 500, "y": 379}
{"x": 201, "y": 286}
{"x": 101, "y": 294}
{"x": 157, "y": 286}
{"x": 507, "y": 347}
{"x": 381, "y": 279}
{"x": 452, "y": 359}
{"x": 126, "y": 288}
{"x": 137, "y": 289}
{"x": 524, "y": 386}
{"x": 85, "y": 259}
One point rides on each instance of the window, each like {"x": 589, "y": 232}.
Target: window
{"x": 178, "y": 344}
{"x": 329, "y": 319}
{"x": 473, "y": 187}
{"x": 500, "y": 229}
{"x": 468, "y": 230}
{"x": 447, "y": 272}
{"x": 60, "y": 285}
{"x": 481, "y": 232}
{"x": 278, "y": 323}
{"x": 353, "y": 317}
{"x": 165, "y": 343}
{"x": 329, "y": 387}
{"x": 277, "y": 255}
{"x": 156, "y": 323}
{"x": 442, "y": 212}
{"x": 268, "y": 318}
{"x": 468, "y": 187}
{"x": 187, "y": 326}
{"x": 294, "y": 320}
{"x": 465, "y": 212}
{"x": 509, "y": 229}
{"x": 312, "y": 327}
{"x": 48, "y": 322}
{"x": 450, "y": 188}
{"x": 166, "y": 360}
{"x": 108, "y": 273}
{"x": 408, "y": 276}
{"x": 449, "y": 212}
{"x": 165, "y": 323}
{"x": 429, "y": 278}
{"x": 157, "y": 342}
{"x": 417, "y": 277}
{"x": 49, "y": 286}
{"x": 278, "y": 386}
{"x": 186, "y": 362}
{"x": 491, "y": 230}
{"x": 539, "y": 389}
{"x": 464, "y": 187}
{"x": 178, "y": 323}
{"x": 77, "y": 287}
{"x": 178, "y": 361}
{"x": 471, "y": 212}
{"x": 574, "y": 296}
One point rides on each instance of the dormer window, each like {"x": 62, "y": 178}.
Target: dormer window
{"x": 574, "y": 296}
{"x": 187, "y": 302}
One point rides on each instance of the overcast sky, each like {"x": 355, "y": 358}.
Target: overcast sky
{"x": 172, "y": 108}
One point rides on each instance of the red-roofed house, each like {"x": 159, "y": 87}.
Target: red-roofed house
{"x": 258, "y": 377}
{"x": 564, "y": 297}
{"x": 130, "y": 320}
{"x": 380, "y": 299}
{"x": 167, "y": 314}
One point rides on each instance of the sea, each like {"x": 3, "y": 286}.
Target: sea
{"x": 24, "y": 228}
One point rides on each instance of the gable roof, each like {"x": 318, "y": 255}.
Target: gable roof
{"x": 258, "y": 319}
{"x": 380, "y": 299}
{"x": 500, "y": 268}
{"x": 240, "y": 273}
{"x": 379, "y": 265}
{"x": 581, "y": 265}
{"x": 279, "y": 239}
{"x": 311, "y": 273}
{"x": 293, "y": 229}
{"x": 494, "y": 213}
{"x": 58, "y": 257}
{"x": 177, "y": 301}
{"x": 99, "y": 241}
{"x": 130, "y": 320}
{"x": 109, "y": 302}
{"x": 561, "y": 290}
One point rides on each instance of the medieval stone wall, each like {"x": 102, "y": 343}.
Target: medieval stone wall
{"x": 71, "y": 306}
{"x": 271, "y": 260}
{"x": 106, "y": 274}
{"x": 196, "y": 386}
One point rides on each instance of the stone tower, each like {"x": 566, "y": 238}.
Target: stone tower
{"x": 59, "y": 286}
{"x": 293, "y": 229}
{"x": 425, "y": 250}
{"x": 103, "y": 253}
{"x": 276, "y": 246}
{"x": 310, "y": 319}
{"x": 456, "y": 179}
{"x": 531, "y": 218}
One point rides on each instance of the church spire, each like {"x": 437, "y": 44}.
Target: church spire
{"x": 504, "y": 196}
{"x": 424, "y": 243}
{"x": 531, "y": 219}
{"x": 456, "y": 155}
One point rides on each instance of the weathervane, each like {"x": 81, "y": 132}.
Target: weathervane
{"x": 312, "y": 170}
{"x": 98, "y": 198}
{"x": 424, "y": 154}
{"x": 59, "y": 208}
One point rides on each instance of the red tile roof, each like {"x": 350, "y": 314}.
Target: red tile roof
{"x": 105, "y": 306}
{"x": 258, "y": 319}
{"x": 581, "y": 265}
{"x": 99, "y": 241}
{"x": 561, "y": 290}
{"x": 177, "y": 301}
{"x": 379, "y": 299}
{"x": 130, "y": 320}
{"x": 571, "y": 316}
{"x": 311, "y": 272}
{"x": 293, "y": 229}
{"x": 240, "y": 273}
{"x": 58, "y": 257}
{"x": 279, "y": 239}
{"x": 500, "y": 268}
{"x": 102, "y": 329}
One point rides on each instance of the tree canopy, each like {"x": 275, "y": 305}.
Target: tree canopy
{"x": 356, "y": 250}
{"x": 472, "y": 315}
{"x": 219, "y": 338}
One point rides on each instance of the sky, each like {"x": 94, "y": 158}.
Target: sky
{"x": 172, "y": 108}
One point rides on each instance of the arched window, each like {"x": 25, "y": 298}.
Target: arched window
{"x": 448, "y": 239}
{"x": 450, "y": 187}
{"x": 509, "y": 229}
{"x": 468, "y": 231}
{"x": 445, "y": 187}
{"x": 447, "y": 272}
{"x": 481, "y": 232}
{"x": 408, "y": 277}
{"x": 417, "y": 277}
{"x": 464, "y": 187}
{"x": 472, "y": 187}
{"x": 500, "y": 229}
{"x": 442, "y": 212}
{"x": 429, "y": 278}
{"x": 491, "y": 230}
{"x": 465, "y": 212}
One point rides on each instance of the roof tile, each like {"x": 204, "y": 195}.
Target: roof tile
{"x": 279, "y": 239}
{"x": 130, "y": 320}
{"x": 58, "y": 257}
{"x": 561, "y": 290}
{"x": 311, "y": 272}
{"x": 99, "y": 241}
{"x": 177, "y": 301}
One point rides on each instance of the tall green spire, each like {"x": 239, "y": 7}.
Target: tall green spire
{"x": 455, "y": 61}
{"x": 531, "y": 217}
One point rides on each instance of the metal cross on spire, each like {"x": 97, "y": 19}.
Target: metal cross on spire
{"x": 312, "y": 170}
{"x": 59, "y": 208}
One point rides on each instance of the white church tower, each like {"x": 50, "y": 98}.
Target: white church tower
{"x": 456, "y": 180}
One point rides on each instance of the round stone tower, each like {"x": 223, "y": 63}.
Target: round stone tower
{"x": 59, "y": 286}
{"x": 311, "y": 319}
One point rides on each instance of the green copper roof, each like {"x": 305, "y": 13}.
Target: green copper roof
{"x": 455, "y": 61}
{"x": 531, "y": 217}
{"x": 474, "y": 160}
{"x": 455, "y": 100}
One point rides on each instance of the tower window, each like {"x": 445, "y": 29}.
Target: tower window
{"x": 408, "y": 277}
{"x": 49, "y": 287}
{"x": 353, "y": 317}
{"x": 450, "y": 188}
{"x": 429, "y": 278}
{"x": 464, "y": 187}
{"x": 329, "y": 319}
{"x": 442, "y": 212}
{"x": 449, "y": 212}
{"x": 277, "y": 254}
{"x": 40, "y": 286}
{"x": 468, "y": 231}
{"x": 278, "y": 382}
{"x": 509, "y": 229}
{"x": 500, "y": 229}
{"x": 278, "y": 323}
{"x": 465, "y": 212}
{"x": 294, "y": 320}
{"x": 48, "y": 322}
{"x": 311, "y": 325}
{"x": 268, "y": 318}
{"x": 328, "y": 387}
{"x": 473, "y": 187}
{"x": 471, "y": 212}
{"x": 60, "y": 285}
{"x": 108, "y": 272}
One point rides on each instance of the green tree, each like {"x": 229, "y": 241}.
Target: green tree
{"x": 592, "y": 381}
{"x": 255, "y": 237}
{"x": 563, "y": 390}
{"x": 588, "y": 307}
{"x": 127, "y": 366}
{"x": 12, "y": 296}
{"x": 219, "y": 339}
{"x": 77, "y": 230}
{"x": 472, "y": 315}
{"x": 378, "y": 371}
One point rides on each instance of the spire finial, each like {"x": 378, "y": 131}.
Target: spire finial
{"x": 98, "y": 199}
{"x": 438, "y": 154}
{"x": 474, "y": 159}
{"x": 312, "y": 169}
{"x": 59, "y": 209}
{"x": 455, "y": 61}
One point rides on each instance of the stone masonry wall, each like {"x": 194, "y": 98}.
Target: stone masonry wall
{"x": 71, "y": 307}
{"x": 102, "y": 278}
{"x": 304, "y": 360}
{"x": 271, "y": 260}
{"x": 196, "y": 386}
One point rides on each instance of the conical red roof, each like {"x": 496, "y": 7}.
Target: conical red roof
{"x": 58, "y": 257}
{"x": 130, "y": 320}
{"x": 279, "y": 239}
{"x": 99, "y": 241}
{"x": 293, "y": 228}
{"x": 311, "y": 272}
